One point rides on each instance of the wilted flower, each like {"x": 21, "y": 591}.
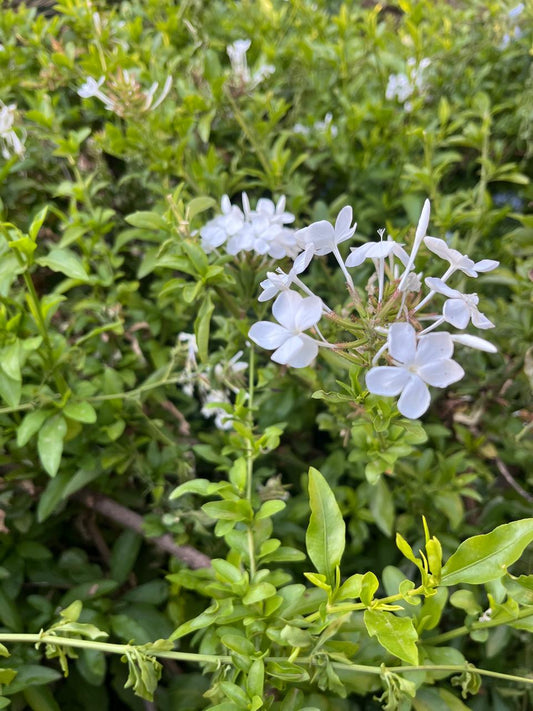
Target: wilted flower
{"x": 239, "y": 65}
{"x": 417, "y": 364}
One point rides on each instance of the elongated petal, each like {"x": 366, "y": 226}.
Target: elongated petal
{"x": 303, "y": 260}
{"x": 358, "y": 255}
{"x": 322, "y": 235}
{"x": 480, "y": 344}
{"x": 308, "y": 313}
{"x": 386, "y": 380}
{"x": 343, "y": 221}
{"x": 441, "y": 373}
{"x": 457, "y": 313}
{"x": 415, "y": 398}
{"x": 268, "y": 335}
{"x": 434, "y": 346}
{"x": 402, "y": 342}
{"x": 441, "y": 287}
{"x": 297, "y": 351}
{"x": 486, "y": 265}
{"x": 422, "y": 227}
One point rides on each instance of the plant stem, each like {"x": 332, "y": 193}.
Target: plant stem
{"x": 250, "y": 460}
{"x": 460, "y": 631}
{"x": 109, "y": 647}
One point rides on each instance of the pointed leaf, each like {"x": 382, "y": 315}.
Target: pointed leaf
{"x": 66, "y": 262}
{"x": 50, "y": 443}
{"x": 325, "y": 537}
{"x": 396, "y": 634}
{"x": 483, "y": 558}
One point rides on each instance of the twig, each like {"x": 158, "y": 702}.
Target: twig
{"x": 129, "y": 519}
{"x": 512, "y": 481}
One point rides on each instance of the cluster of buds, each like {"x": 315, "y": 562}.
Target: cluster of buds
{"x": 391, "y": 325}
{"x": 124, "y": 95}
{"x": 262, "y": 231}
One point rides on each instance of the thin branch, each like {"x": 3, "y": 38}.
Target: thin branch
{"x": 512, "y": 481}
{"x": 129, "y": 519}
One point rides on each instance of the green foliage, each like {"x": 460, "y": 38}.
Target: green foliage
{"x": 235, "y": 517}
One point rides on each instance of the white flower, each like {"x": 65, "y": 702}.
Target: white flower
{"x": 9, "y": 141}
{"x": 222, "y": 419}
{"x": 457, "y": 260}
{"x": 217, "y": 230}
{"x": 459, "y": 309}
{"x": 378, "y": 252}
{"x": 324, "y": 237}
{"x": 91, "y": 88}
{"x": 417, "y": 364}
{"x": 295, "y": 314}
{"x": 275, "y": 213}
{"x": 280, "y": 281}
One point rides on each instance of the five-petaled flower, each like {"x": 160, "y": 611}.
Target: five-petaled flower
{"x": 417, "y": 363}
{"x": 295, "y": 314}
{"x": 459, "y": 309}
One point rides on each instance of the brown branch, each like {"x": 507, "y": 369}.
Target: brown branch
{"x": 512, "y": 481}
{"x": 129, "y": 519}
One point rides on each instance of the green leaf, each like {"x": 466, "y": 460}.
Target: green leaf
{"x": 202, "y": 326}
{"x": 80, "y": 411}
{"x": 269, "y": 508}
{"x": 66, "y": 262}
{"x": 484, "y": 558}
{"x": 382, "y": 506}
{"x": 229, "y": 510}
{"x": 198, "y": 205}
{"x": 146, "y": 220}
{"x": 10, "y": 360}
{"x": 31, "y": 675}
{"x": 124, "y": 554}
{"x": 325, "y": 536}
{"x": 10, "y": 390}
{"x": 30, "y": 425}
{"x": 37, "y": 223}
{"x": 258, "y": 592}
{"x": 396, "y": 634}
{"x": 50, "y": 443}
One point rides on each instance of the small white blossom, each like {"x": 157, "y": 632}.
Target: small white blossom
{"x": 486, "y": 616}
{"x": 295, "y": 314}
{"x": 216, "y": 232}
{"x": 280, "y": 281}
{"x": 417, "y": 364}
{"x": 459, "y": 309}
{"x": 239, "y": 65}
{"x": 9, "y": 141}
{"x": 211, "y": 400}
{"x": 324, "y": 237}
{"x": 458, "y": 261}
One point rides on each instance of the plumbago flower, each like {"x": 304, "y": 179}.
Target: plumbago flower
{"x": 415, "y": 358}
{"x": 9, "y": 141}
{"x": 295, "y": 314}
{"x": 263, "y": 231}
{"x": 417, "y": 363}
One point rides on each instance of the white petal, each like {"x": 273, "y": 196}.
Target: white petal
{"x": 457, "y": 313}
{"x": 438, "y": 247}
{"x": 480, "y": 320}
{"x": 422, "y": 227}
{"x": 486, "y": 265}
{"x": 441, "y": 287}
{"x": 303, "y": 260}
{"x": 284, "y": 308}
{"x": 308, "y": 313}
{"x": 441, "y": 373}
{"x": 343, "y": 221}
{"x": 322, "y": 235}
{"x": 480, "y": 344}
{"x": 434, "y": 346}
{"x": 358, "y": 255}
{"x": 402, "y": 342}
{"x": 386, "y": 380}
{"x": 268, "y": 335}
{"x": 297, "y": 351}
{"x": 415, "y": 398}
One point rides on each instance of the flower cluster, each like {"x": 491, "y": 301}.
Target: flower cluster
{"x": 326, "y": 126}
{"x": 403, "y": 87}
{"x": 391, "y": 325}
{"x": 214, "y": 386}
{"x": 514, "y": 31}
{"x": 241, "y": 77}
{"x": 124, "y": 94}
{"x": 262, "y": 231}
{"x": 10, "y": 143}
